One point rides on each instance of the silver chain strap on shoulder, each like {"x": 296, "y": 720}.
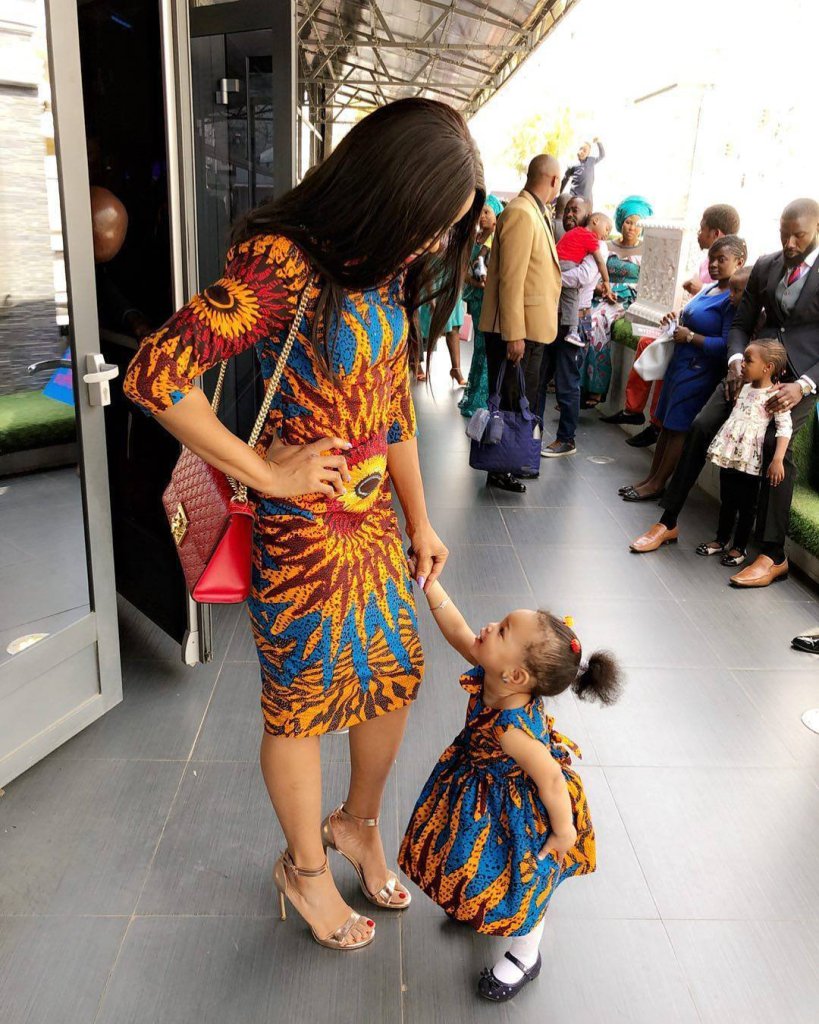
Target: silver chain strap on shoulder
{"x": 240, "y": 490}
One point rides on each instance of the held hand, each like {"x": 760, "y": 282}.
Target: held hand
{"x": 515, "y": 351}
{"x": 666, "y": 320}
{"x": 733, "y": 380}
{"x": 692, "y": 286}
{"x": 307, "y": 468}
{"x": 559, "y": 843}
{"x": 427, "y": 555}
{"x": 776, "y": 472}
{"x": 681, "y": 335}
{"x": 784, "y": 397}
{"x": 608, "y": 294}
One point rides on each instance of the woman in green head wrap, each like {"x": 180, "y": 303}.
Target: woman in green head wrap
{"x": 623, "y": 264}
{"x": 476, "y": 395}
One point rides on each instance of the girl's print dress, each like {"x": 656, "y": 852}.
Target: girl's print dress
{"x": 331, "y": 607}
{"x": 474, "y": 836}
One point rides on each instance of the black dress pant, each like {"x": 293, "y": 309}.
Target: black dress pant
{"x": 738, "y": 494}
{"x": 510, "y": 392}
{"x": 774, "y": 508}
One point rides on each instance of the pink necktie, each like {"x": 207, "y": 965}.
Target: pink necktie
{"x": 796, "y": 273}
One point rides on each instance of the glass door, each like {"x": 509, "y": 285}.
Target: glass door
{"x": 244, "y": 113}
{"x": 59, "y": 652}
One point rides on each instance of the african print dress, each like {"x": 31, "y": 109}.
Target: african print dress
{"x": 331, "y": 606}
{"x": 473, "y": 838}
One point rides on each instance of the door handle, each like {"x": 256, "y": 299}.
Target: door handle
{"x": 49, "y": 364}
{"x": 226, "y": 86}
{"x": 97, "y": 378}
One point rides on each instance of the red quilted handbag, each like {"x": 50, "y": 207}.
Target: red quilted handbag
{"x": 210, "y": 517}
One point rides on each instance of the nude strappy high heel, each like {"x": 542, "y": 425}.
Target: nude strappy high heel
{"x": 282, "y": 871}
{"x": 387, "y": 897}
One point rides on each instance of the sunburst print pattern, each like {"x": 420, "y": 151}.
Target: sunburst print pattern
{"x": 332, "y": 608}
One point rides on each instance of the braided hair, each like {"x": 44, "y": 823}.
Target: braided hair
{"x": 733, "y": 243}
{"x": 555, "y": 663}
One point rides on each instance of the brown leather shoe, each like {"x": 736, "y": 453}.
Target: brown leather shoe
{"x": 654, "y": 537}
{"x": 761, "y": 573}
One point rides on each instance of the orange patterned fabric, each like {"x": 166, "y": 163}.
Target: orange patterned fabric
{"x": 474, "y": 836}
{"x": 332, "y": 608}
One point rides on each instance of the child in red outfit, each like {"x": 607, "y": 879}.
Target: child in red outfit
{"x": 579, "y": 242}
{"x": 574, "y": 247}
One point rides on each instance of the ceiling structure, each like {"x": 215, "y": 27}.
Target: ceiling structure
{"x": 359, "y": 54}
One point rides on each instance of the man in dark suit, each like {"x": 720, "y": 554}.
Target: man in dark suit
{"x": 785, "y": 286}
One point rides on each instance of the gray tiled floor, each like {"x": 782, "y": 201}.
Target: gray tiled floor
{"x": 135, "y": 861}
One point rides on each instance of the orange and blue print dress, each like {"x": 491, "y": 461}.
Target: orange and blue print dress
{"x": 474, "y": 836}
{"x": 331, "y": 607}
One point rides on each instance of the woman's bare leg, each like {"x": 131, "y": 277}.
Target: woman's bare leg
{"x": 292, "y": 774}
{"x": 664, "y": 466}
{"x": 453, "y": 343}
{"x": 373, "y": 749}
{"x": 643, "y": 486}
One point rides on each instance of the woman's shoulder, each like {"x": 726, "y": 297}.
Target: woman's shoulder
{"x": 272, "y": 252}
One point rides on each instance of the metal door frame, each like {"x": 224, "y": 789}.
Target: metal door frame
{"x": 175, "y": 20}
{"x": 99, "y": 627}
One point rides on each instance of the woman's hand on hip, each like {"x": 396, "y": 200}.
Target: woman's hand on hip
{"x": 428, "y": 554}
{"x": 307, "y": 468}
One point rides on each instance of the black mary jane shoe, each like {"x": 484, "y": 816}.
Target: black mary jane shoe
{"x": 732, "y": 561}
{"x": 500, "y": 992}
{"x": 506, "y": 482}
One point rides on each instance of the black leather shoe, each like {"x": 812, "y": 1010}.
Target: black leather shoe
{"x": 500, "y": 992}
{"x": 645, "y": 438}
{"x": 806, "y": 643}
{"x": 506, "y": 482}
{"x": 635, "y": 418}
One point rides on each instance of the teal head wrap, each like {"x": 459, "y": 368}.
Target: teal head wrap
{"x": 494, "y": 204}
{"x": 631, "y": 206}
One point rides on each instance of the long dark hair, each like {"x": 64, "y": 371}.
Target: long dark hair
{"x": 393, "y": 185}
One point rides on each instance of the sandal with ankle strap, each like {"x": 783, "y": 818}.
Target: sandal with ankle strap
{"x": 387, "y": 897}
{"x": 282, "y": 871}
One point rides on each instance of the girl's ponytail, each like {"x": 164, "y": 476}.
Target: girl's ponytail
{"x": 598, "y": 679}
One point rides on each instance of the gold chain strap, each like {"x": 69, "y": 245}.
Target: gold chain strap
{"x": 240, "y": 490}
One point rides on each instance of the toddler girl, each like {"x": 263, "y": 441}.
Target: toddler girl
{"x": 503, "y": 819}
{"x": 737, "y": 450}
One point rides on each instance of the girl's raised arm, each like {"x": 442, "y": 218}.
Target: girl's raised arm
{"x": 451, "y": 623}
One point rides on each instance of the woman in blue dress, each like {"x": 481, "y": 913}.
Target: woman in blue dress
{"x": 697, "y": 365}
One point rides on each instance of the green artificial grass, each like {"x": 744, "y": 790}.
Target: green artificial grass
{"x": 804, "y": 525}
{"x": 30, "y": 420}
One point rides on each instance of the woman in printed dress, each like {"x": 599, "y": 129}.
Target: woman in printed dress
{"x": 388, "y": 217}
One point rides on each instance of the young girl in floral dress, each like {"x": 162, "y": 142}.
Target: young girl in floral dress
{"x": 503, "y": 818}
{"x": 738, "y": 451}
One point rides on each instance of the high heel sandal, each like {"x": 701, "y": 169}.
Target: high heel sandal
{"x": 386, "y": 897}
{"x": 285, "y": 865}
{"x": 457, "y": 377}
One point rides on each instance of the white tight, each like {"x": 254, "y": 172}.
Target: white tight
{"x": 524, "y": 948}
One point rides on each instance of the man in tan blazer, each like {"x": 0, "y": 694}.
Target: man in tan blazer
{"x": 522, "y": 292}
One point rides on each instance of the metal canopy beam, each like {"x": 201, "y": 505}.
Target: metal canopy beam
{"x": 365, "y": 52}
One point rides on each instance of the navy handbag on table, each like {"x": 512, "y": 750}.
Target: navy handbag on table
{"x": 507, "y": 443}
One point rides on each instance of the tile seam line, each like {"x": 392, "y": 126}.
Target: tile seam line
{"x": 182, "y": 776}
